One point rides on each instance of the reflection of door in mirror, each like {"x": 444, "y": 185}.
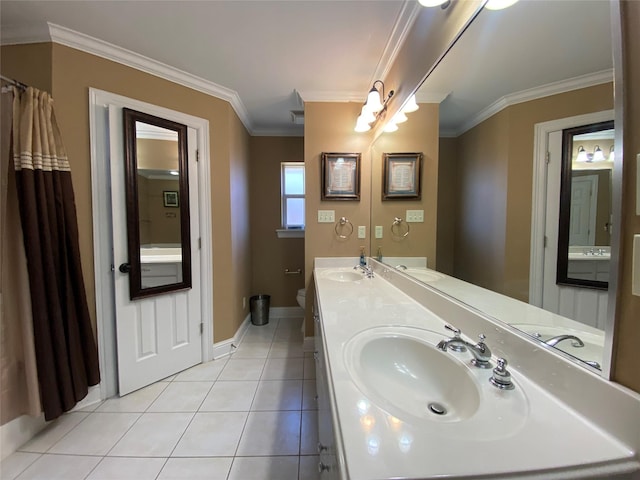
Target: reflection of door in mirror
{"x": 584, "y": 237}
{"x": 157, "y": 205}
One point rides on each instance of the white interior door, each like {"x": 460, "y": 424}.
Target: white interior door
{"x": 156, "y": 336}
{"x": 585, "y": 305}
{"x": 582, "y": 224}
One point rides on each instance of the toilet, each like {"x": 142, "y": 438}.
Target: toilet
{"x": 300, "y": 297}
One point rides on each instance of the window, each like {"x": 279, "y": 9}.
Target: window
{"x": 292, "y": 192}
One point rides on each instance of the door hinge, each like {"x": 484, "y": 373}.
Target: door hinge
{"x": 547, "y": 158}
{"x": 546, "y": 241}
{"x": 197, "y": 155}
{"x": 199, "y": 243}
{"x": 201, "y": 328}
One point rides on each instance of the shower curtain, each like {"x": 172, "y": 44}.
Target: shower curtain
{"x": 66, "y": 353}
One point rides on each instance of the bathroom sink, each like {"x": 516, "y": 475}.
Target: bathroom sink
{"x": 343, "y": 275}
{"x": 423, "y": 275}
{"x": 402, "y": 371}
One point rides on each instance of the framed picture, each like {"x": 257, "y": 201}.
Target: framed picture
{"x": 340, "y": 176}
{"x": 171, "y": 198}
{"x": 401, "y": 176}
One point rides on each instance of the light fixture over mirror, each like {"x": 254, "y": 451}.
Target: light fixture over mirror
{"x": 157, "y": 186}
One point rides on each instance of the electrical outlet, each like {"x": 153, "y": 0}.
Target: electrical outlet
{"x": 415, "y": 216}
{"x": 326, "y": 216}
{"x": 362, "y": 231}
{"x": 378, "y": 231}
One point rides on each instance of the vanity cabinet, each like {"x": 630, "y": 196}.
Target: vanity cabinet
{"x": 327, "y": 463}
{"x": 158, "y": 274}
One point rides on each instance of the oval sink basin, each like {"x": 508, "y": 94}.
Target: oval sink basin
{"x": 409, "y": 377}
{"x": 423, "y": 275}
{"x": 343, "y": 275}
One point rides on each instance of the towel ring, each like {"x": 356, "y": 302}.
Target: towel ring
{"x": 341, "y": 223}
{"x": 396, "y": 230}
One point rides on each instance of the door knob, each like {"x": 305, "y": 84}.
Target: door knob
{"x": 125, "y": 267}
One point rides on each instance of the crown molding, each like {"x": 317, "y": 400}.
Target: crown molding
{"x": 18, "y": 36}
{"x": 555, "y": 88}
{"x": 325, "y": 96}
{"x": 274, "y": 132}
{"x": 431, "y": 97}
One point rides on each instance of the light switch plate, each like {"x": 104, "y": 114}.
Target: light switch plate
{"x": 635, "y": 267}
{"x": 326, "y": 216}
{"x": 378, "y": 231}
{"x": 362, "y": 231}
{"x": 415, "y": 216}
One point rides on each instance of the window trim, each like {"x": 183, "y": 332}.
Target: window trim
{"x": 284, "y": 231}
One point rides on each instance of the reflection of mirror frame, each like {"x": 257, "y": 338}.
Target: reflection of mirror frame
{"x": 407, "y": 188}
{"x": 133, "y": 213}
{"x": 562, "y": 275}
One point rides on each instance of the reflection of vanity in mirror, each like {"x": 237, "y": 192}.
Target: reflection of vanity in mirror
{"x": 157, "y": 210}
{"x": 476, "y": 130}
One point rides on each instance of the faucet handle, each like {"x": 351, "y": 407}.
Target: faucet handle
{"x": 456, "y": 334}
{"x": 501, "y": 377}
{"x": 482, "y": 338}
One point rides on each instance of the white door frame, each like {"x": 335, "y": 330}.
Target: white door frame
{"x": 538, "y": 217}
{"x": 102, "y": 234}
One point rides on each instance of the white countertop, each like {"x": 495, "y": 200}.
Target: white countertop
{"x": 381, "y": 445}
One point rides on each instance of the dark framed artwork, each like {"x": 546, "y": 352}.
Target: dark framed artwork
{"x": 402, "y": 176}
{"x": 340, "y": 176}
{"x": 171, "y": 198}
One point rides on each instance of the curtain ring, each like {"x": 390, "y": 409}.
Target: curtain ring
{"x": 341, "y": 223}
{"x": 397, "y": 221}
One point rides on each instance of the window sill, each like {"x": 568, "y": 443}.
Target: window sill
{"x": 290, "y": 232}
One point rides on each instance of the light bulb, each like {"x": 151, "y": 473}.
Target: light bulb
{"x": 361, "y": 125}
{"x": 582, "y": 155}
{"x": 391, "y": 127}
{"x": 431, "y": 3}
{"x": 499, "y": 4}
{"x": 367, "y": 116}
{"x": 411, "y": 105}
{"x": 598, "y": 154}
{"x": 399, "y": 117}
{"x": 373, "y": 103}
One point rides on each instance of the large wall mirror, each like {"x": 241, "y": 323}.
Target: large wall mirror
{"x": 509, "y": 71}
{"x": 157, "y": 187}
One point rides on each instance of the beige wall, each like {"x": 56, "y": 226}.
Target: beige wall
{"x": 447, "y": 204}
{"x": 494, "y": 170}
{"x": 272, "y": 255}
{"x": 417, "y": 135}
{"x": 627, "y": 354}
{"x": 71, "y": 73}
{"x": 328, "y": 127}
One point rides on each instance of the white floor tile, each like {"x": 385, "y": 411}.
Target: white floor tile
{"x": 181, "y": 397}
{"x": 283, "y": 369}
{"x": 53, "y": 432}
{"x": 96, "y": 435}
{"x": 154, "y": 435}
{"x": 116, "y": 468}
{"x": 230, "y": 397}
{"x": 309, "y": 395}
{"x": 270, "y": 433}
{"x": 309, "y": 433}
{"x": 309, "y": 368}
{"x": 309, "y": 467}
{"x": 16, "y": 463}
{"x": 252, "y": 350}
{"x": 137, "y": 401}
{"x": 212, "y": 434}
{"x": 205, "y": 372}
{"x": 213, "y": 468}
{"x": 63, "y": 467}
{"x": 278, "y": 395}
{"x": 286, "y": 350}
{"x": 242, "y": 369}
{"x": 264, "y": 468}
{"x": 288, "y": 335}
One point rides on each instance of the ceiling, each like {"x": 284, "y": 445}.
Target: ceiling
{"x": 262, "y": 53}
{"x": 265, "y": 51}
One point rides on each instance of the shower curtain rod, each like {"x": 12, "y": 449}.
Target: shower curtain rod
{"x": 20, "y": 85}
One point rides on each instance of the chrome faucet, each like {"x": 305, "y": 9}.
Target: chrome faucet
{"x": 480, "y": 351}
{"x": 366, "y": 269}
{"x": 575, "y": 341}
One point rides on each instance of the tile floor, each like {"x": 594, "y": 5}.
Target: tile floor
{"x": 248, "y": 416}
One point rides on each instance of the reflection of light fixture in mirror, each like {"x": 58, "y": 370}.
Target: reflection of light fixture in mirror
{"x": 431, "y": 3}
{"x": 582, "y": 155}
{"x": 598, "y": 154}
{"x": 499, "y": 4}
{"x": 411, "y": 105}
{"x": 173, "y": 172}
{"x": 399, "y": 117}
{"x": 611, "y": 154}
{"x": 391, "y": 127}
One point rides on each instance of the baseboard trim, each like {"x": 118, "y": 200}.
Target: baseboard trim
{"x": 224, "y": 348}
{"x": 286, "y": 312}
{"x": 19, "y": 431}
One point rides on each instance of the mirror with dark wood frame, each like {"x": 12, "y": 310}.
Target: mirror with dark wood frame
{"x": 157, "y": 202}
{"x": 487, "y": 97}
{"x": 584, "y": 231}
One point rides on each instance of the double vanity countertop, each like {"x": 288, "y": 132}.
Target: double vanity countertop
{"x": 378, "y": 337}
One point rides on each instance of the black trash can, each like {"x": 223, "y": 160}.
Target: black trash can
{"x": 260, "y": 309}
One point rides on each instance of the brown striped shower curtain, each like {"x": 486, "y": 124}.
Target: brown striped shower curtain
{"x": 66, "y": 353}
